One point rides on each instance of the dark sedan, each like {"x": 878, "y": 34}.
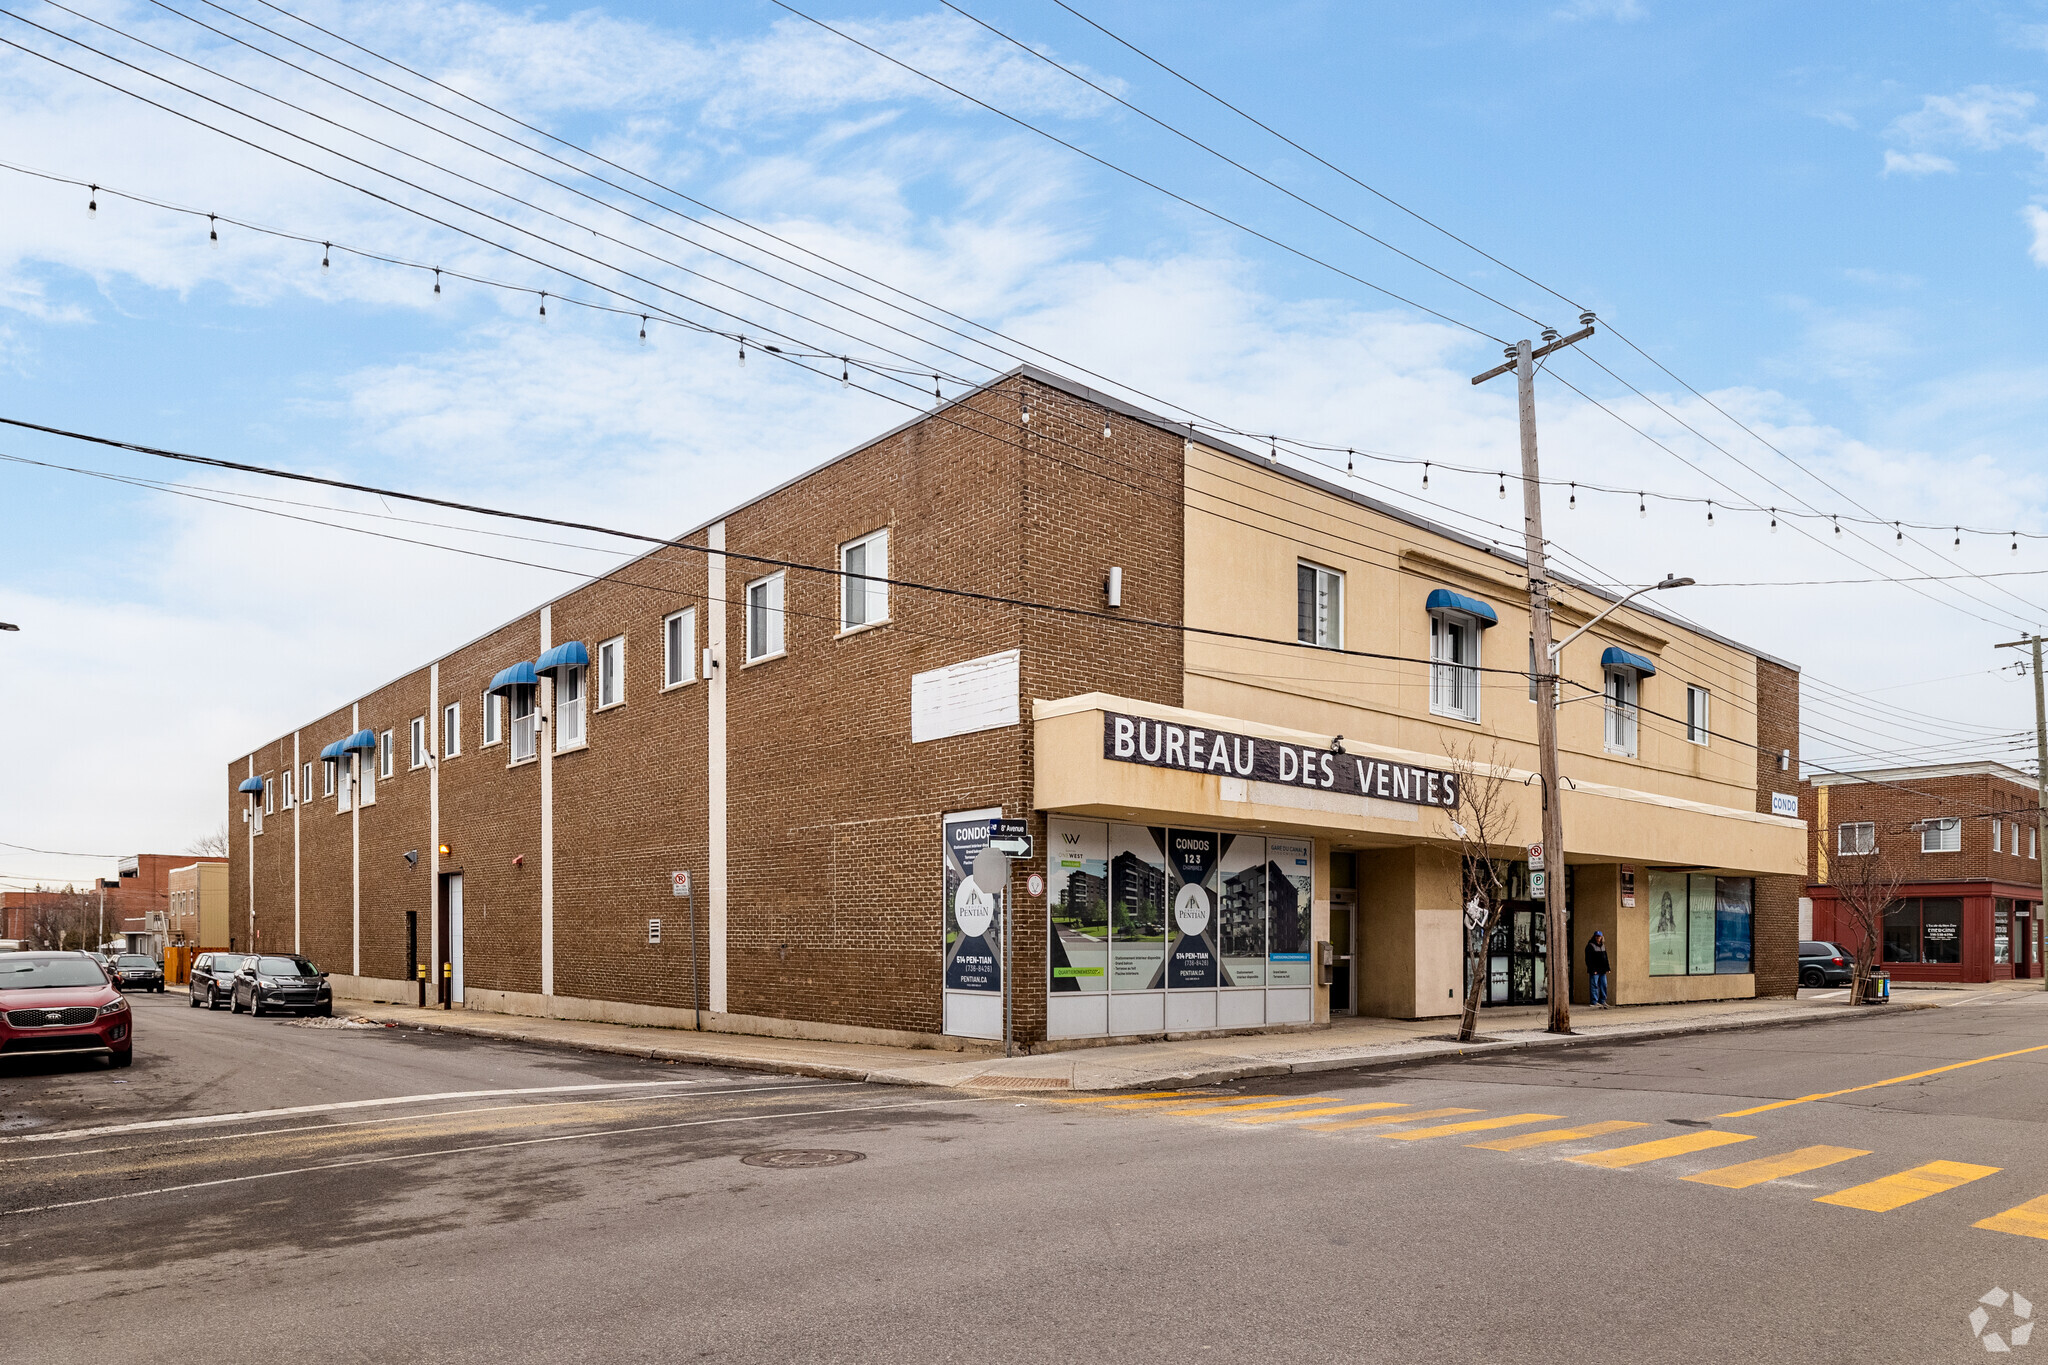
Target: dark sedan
{"x": 62, "y": 1002}
{"x": 279, "y": 982}
{"x": 134, "y": 972}
{"x": 1824, "y": 964}
{"x": 213, "y": 979}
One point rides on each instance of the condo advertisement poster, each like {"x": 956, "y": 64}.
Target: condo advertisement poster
{"x": 1668, "y": 912}
{"x": 1699, "y": 955}
{"x": 1192, "y": 856}
{"x": 1137, "y": 907}
{"x": 973, "y": 947}
{"x": 1241, "y": 910}
{"x": 1077, "y": 904}
{"x": 1290, "y": 899}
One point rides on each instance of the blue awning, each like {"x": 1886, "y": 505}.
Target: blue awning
{"x": 335, "y": 752}
{"x": 1617, "y": 657}
{"x": 518, "y": 675}
{"x": 1443, "y": 599}
{"x": 364, "y": 740}
{"x": 568, "y": 654}
{"x": 251, "y": 784}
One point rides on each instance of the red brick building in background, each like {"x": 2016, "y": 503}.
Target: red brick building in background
{"x": 139, "y": 889}
{"x": 1965, "y": 837}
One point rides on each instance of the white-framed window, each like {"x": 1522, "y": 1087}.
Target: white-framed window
{"x": 270, "y": 796}
{"x": 1318, "y": 605}
{"x": 284, "y": 796}
{"x": 2032, "y": 835}
{"x": 863, "y": 595}
{"x": 419, "y": 742}
{"x": 385, "y": 758}
{"x": 451, "y": 729}
{"x": 568, "y": 709}
{"x": 1997, "y": 832}
{"x": 327, "y": 787}
{"x": 1622, "y": 690}
{"x": 525, "y": 725}
{"x": 306, "y": 783}
{"x": 1944, "y": 835}
{"x": 611, "y": 672}
{"x": 764, "y": 617}
{"x": 256, "y": 812}
{"x": 1454, "y": 666}
{"x": 1696, "y": 727}
{"x": 1853, "y": 839}
{"x": 353, "y": 771}
{"x": 679, "y": 648}
{"x": 492, "y": 730}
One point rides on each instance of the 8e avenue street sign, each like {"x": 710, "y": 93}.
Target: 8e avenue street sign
{"x": 1162, "y": 744}
{"x": 1010, "y": 837}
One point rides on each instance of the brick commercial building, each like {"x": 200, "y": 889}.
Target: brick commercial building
{"x": 136, "y": 900}
{"x": 1965, "y": 841}
{"x": 1217, "y": 809}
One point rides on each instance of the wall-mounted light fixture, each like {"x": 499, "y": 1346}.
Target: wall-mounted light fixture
{"x": 1113, "y": 589}
{"x": 412, "y": 857}
{"x": 445, "y": 850}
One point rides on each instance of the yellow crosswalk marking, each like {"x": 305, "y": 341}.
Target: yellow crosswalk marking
{"x": 1470, "y": 1126}
{"x": 1616, "y": 1157}
{"x": 1189, "y": 1099}
{"x": 1744, "y": 1174}
{"x": 1896, "y": 1191}
{"x": 1105, "y": 1099}
{"x": 1549, "y": 1135}
{"x": 1319, "y": 1113}
{"x": 1389, "y": 1118}
{"x": 2028, "y": 1220}
{"x": 1255, "y": 1104}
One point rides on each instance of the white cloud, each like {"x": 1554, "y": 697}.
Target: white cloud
{"x": 1981, "y": 118}
{"x": 1622, "y": 11}
{"x": 1916, "y": 163}
{"x": 2037, "y": 219}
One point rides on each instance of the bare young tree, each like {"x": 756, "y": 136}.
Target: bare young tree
{"x": 65, "y": 920}
{"x": 1480, "y": 821}
{"x": 214, "y": 845}
{"x": 1866, "y": 883}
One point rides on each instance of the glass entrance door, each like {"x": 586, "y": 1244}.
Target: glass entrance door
{"x": 1517, "y": 958}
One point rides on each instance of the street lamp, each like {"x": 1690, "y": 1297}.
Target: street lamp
{"x": 1670, "y": 581}
{"x": 8, "y": 625}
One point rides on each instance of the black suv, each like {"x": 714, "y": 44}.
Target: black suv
{"x": 280, "y": 982}
{"x": 134, "y": 972}
{"x": 213, "y": 979}
{"x": 1824, "y": 964}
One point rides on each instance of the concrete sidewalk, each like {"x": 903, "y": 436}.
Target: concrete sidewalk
{"x": 1347, "y": 1044}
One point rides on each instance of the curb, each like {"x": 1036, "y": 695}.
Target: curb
{"x": 1205, "y": 1076}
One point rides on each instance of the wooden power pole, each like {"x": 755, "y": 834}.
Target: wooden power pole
{"x": 1522, "y": 358}
{"x": 2040, "y": 789}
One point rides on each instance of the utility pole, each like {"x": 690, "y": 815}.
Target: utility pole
{"x": 1522, "y": 357}
{"x": 2040, "y": 790}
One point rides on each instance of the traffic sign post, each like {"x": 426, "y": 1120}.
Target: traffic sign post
{"x": 680, "y": 884}
{"x": 992, "y": 874}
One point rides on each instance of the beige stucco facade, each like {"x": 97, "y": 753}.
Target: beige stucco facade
{"x": 1672, "y": 802}
{"x": 197, "y": 913}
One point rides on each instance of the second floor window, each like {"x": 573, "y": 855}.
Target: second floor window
{"x": 1454, "y": 666}
{"x": 525, "y": 724}
{"x": 611, "y": 672}
{"x": 451, "y": 729}
{"x": 1622, "y": 684}
{"x": 569, "y": 709}
{"x": 491, "y": 714}
{"x": 1696, "y": 714}
{"x": 764, "y": 617}
{"x": 679, "y": 648}
{"x": 1318, "y": 606}
{"x": 864, "y": 600}
{"x": 306, "y": 782}
{"x": 419, "y": 742}
{"x": 1855, "y": 839}
{"x": 1942, "y": 836}
{"x": 385, "y": 757}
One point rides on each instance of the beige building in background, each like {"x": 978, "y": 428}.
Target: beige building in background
{"x": 197, "y": 913}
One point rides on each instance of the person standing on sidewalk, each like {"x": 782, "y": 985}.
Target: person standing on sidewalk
{"x": 1596, "y": 968}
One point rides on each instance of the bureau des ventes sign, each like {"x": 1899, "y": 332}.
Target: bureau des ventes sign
{"x": 1160, "y": 744}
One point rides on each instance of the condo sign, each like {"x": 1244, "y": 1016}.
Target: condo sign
{"x": 1163, "y": 744}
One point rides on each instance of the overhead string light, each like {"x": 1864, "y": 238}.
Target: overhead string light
{"x": 1642, "y": 507}
{"x": 743, "y": 353}
{"x": 1774, "y": 519}
{"x": 2015, "y": 542}
{"x": 935, "y": 389}
{"x": 1710, "y": 511}
{"x": 1105, "y": 428}
{"x": 543, "y": 303}
{"x": 1838, "y": 525}
{"x": 212, "y": 230}
{"x": 1959, "y": 539}
{"x": 1573, "y": 505}
{"x": 845, "y": 373}
{"x": 1273, "y": 449}
{"x": 643, "y": 326}
{"x": 1897, "y": 532}
{"x": 437, "y": 281}
{"x": 1349, "y": 456}
{"x": 1425, "y": 474}
{"x": 1503, "y": 485}
{"x": 326, "y": 250}
{"x": 92, "y": 203}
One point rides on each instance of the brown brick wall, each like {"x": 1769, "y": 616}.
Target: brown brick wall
{"x": 1775, "y": 926}
{"x": 1897, "y": 807}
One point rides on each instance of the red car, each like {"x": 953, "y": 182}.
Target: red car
{"x": 62, "y": 1002}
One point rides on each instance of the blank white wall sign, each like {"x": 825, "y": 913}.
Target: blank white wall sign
{"x": 980, "y": 694}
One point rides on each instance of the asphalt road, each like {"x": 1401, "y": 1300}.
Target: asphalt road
{"x": 446, "y": 1199}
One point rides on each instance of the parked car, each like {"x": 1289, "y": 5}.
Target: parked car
{"x": 213, "y": 979}
{"x": 133, "y": 971}
{"x": 1824, "y": 964}
{"x": 272, "y": 981}
{"x": 62, "y": 1002}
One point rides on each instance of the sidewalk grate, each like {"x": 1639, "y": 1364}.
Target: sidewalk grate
{"x": 992, "y": 1081}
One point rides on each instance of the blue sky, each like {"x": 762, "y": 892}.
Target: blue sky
{"x": 1831, "y": 219}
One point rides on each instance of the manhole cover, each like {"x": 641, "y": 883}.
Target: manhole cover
{"x": 790, "y": 1159}
{"x": 999, "y": 1082}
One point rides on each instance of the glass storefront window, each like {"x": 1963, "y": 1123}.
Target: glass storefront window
{"x": 1902, "y": 931}
{"x": 1667, "y": 923}
{"x": 1700, "y": 925}
{"x": 2001, "y": 933}
{"x": 1941, "y": 931}
{"x": 1137, "y": 908}
{"x": 1734, "y": 907}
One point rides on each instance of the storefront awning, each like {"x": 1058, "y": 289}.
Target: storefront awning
{"x": 364, "y": 741}
{"x": 1443, "y": 599}
{"x": 251, "y": 784}
{"x": 335, "y": 752}
{"x": 518, "y": 675}
{"x": 568, "y": 654}
{"x": 1617, "y": 657}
